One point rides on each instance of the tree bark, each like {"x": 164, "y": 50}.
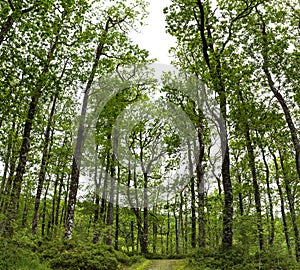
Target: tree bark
{"x": 282, "y": 102}
{"x": 193, "y": 196}
{"x": 58, "y": 201}
{"x": 80, "y": 135}
{"x": 110, "y": 211}
{"x": 144, "y": 244}
{"x": 269, "y": 192}
{"x": 97, "y": 203}
{"x": 282, "y": 203}
{"x": 291, "y": 207}
{"x": 44, "y": 210}
{"x": 177, "y": 229}
{"x": 214, "y": 68}
{"x": 117, "y": 230}
{"x": 17, "y": 183}
{"x": 11, "y": 19}
{"x": 43, "y": 168}
{"x": 252, "y": 165}
{"x": 201, "y": 191}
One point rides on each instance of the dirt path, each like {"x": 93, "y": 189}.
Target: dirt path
{"x": 165, "y": 265}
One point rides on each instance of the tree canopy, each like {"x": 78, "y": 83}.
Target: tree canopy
{"x": 102, "y": 160}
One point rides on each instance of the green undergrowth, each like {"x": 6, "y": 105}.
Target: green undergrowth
{"x": 25, "y": 253}
{"x": 174, "y": 264}
{"x": 237, "y": 259}
{"x": 76, "y": 255}
{"x": 141, "y": 265}
{"x": 154, "y": 256}
{"x": 20, "y": 254}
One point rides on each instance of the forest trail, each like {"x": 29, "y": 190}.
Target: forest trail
{"x": 166, "y": 265}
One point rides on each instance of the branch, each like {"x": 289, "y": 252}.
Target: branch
{"x": 11, "y": 5}
{"x": 201, "y": 28}
{"x": 26, "y": 10}
{"x": 241, "y": 15}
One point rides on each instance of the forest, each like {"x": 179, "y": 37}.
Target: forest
{"x": 110, "y": 160}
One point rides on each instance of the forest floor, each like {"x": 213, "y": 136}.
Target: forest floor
{"x": 160, "y": 265}
{"x": 166, "y": 265}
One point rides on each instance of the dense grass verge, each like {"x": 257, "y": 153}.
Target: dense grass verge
{"x": 27, "y": 254}
{"x": 20, "y": 254}
{"x": 237, "y": 259}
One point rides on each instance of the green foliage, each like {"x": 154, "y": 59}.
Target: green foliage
{"x": 19, "y": 254}
{"x": 76, "y": 255}
{"x": 25, "y": 253}
{"x": 238, "y": 258}
{"x": 152, "y": 256}
{"x": 140, "y": 265}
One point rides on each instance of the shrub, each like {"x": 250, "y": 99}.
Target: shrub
{"x": 19, "y": 254}
{"x": 239, "y": 259}
{"x": 72, "y": 255}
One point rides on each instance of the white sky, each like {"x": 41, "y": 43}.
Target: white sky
{"x": 153, "y": 36}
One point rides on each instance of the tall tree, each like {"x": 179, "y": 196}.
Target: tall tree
{"x": 115, "y": 19}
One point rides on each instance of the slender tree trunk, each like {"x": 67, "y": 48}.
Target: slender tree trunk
{"x": 252, "y": 165}
{"x": 144, "y": 244}
{"x": 291, "y": 207}
{"x": 186, "y": 225}
{"x": 181, "y": 224}
{"x": 105, "y": 189}
{"x": 58, "y": 202}
{"x": 96, "y": 237}
{"x": 214, "y": 68}
{"x": 282, "y": 203}
{"x": 239, "y": 180}
{"x": 97, "y": 205}
{"x": 227, "y": 188}
{"x": 135, "y": 210}
{"x": 17, "y": 183}
{"x": 154, "y": 244}
{"x": 8, "y": 186}
{"x": 193, "y": 196}
{"x": 110, "y": 211}
{"x": 8, "y": 156}
{"x": 10, "y": 164}
{"x": 200, "y": 187}
{"x": 168, "y": 229}
{"x": 44, "y": 210}
{"x": 43, "y": 168}
{"x": 6, "y": 27}
{"x": 162, "y": 250}
{"x": 53, "y": 210}
{"x": 241, "y": 204}
{"x": 117, "y": 230}
{"x": 64, "y": 209}
{"x": 132, "y": 235}
{"x": 269, "y": 192}
{"x": 177, "y": 230}
{"x": 80, "y": 140}
{"x": 140, "y": 230}
{"x": 193, "y": 208}
{"x": 11, "y": 19}
{"x": 293, "y": 132}
{"x": 25, "y": 214}
{"x": 280, "y": 98}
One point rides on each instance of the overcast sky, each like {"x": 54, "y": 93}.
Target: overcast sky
{"x": 153, "y": 36}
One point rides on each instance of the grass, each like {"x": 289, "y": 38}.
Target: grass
{"x": 15, "y": 256}
{"x": 159, "y": 264}
{"x": 139, "y": 266}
